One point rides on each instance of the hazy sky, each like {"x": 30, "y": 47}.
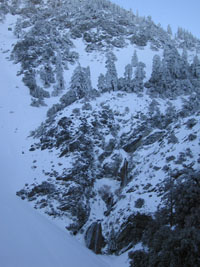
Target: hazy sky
{"x": 183, "y": 13}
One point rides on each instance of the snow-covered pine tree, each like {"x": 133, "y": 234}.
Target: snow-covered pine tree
{"x": 81, "y": 82}
{"x": 180, "y": 33}
{"x": 134, "y": 60}
{"x": 195, "y": 67}
{"x": 127, "y": 81}
{"x": 60, "y": 83}
{"x": 47, "y": 75}
{"x": 169, "y": 30}
{"x": 172, "y": 60}
{"x": 18, "y": 28}
{"x": 165, "y": 79}
{"x": 111, "y": 73}
{"x": 14, "y": 6}
{"x": 30, "y": 81}
{"x": 128, "y": 72}
{"x": 184, "y": 64}
{"x": 156, "y": 70}
{"x": 101, "y": 83}
{"x": 139, "y": 77}
{"x": 3, "y": 9}
{"x": 88, "y": 80}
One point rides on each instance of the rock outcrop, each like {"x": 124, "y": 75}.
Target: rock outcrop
{"x": 94, "y": 239}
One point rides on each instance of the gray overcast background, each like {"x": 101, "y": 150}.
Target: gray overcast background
{"x": 183, "y": 13}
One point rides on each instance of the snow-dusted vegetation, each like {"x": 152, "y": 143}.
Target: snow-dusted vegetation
{"x": 100, "y": 121}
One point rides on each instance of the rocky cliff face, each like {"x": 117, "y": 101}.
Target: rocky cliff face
{"x": 115, "y": 156}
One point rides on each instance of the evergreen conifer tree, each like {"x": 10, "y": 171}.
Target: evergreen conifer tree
{"x": 126, "y": 83}
{"x": 195, "y": 67}
{"x": 184, "y": 64}
{"x": 80, "y": 82}
{"x": 47, "y": 75}
{"x": 111, "y": 74}
{"x": 128, "y": 73}
{"x": 139, "y": 76}
{"x": 60, "y": 83}
{"x": 101, "y": 83}
{"x": 134, "y": 60}
{"x": 172, "y": 60}
{"x": 169, "y": 30}
{"x": 156, "y": 69}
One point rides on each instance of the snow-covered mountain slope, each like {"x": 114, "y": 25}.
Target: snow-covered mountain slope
{"x": 112, "y": 135}
{"x": 27, "y": 238}
{"x": 98, "y": 140}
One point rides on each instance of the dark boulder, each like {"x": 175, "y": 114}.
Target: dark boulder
{"x": 191, "y": 123}
{"x": 44, "y": 188}
{"x": 132, "y": 231}
{"x": 151, "y": 139}
{"x": 93, "y": 238}
{"x": 133, "y": 144}
{"x": 65, "y": 122}
{"x": 111, "y": 168}
{"x": 124, "y": 174}
{"x": 74, "y": 146}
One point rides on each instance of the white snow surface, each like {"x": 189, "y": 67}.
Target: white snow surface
{"x": 27, "y": 238}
